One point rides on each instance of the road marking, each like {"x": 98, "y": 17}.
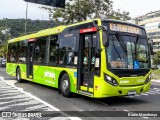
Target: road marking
{"x": 156, "y": 92}
{"x": 100, "y": 102}
{"x": 38, "y": 99}
{"x": 144, "y": 94}
{"x": 155, "y": 84}
{"x": 156, "y": 81}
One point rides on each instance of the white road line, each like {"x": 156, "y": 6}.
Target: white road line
{"x": 156, "y": 89}
{"x": 156, "y": 81}
{"x": 36, "y": 98}
{"x": 137, "y": 95}
{"x": 100, "y": 102}
{"x": 156, "y": 84}
{"x": 157, "y": 92}
{"x": 144, "y": 94}
{"x": 151, "y": 93}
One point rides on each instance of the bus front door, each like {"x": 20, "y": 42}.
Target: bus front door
{"x": 86, "y": 68}
{"x": 30, "y": 58}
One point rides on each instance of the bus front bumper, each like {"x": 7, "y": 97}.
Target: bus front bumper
{"x": 109, "y": 90}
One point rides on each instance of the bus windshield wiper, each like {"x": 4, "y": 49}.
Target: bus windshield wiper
{"x": 137, "y": 43}
{"x": 115, "y": 48}
{"x": 121, "y": 42}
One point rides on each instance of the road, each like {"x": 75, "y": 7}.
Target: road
{"x": 149, "y": 101}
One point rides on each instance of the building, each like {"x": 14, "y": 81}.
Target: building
{"x": 151, "y": 22}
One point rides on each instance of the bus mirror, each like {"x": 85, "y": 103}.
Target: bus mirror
{"x": 97, "y": 63}
{"x": 75, "y": 60}
{"x": 95, "y": 22}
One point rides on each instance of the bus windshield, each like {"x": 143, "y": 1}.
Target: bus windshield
{"x": 125, "y": 51}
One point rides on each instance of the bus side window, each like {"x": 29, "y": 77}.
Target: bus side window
{"x": 53, "y": 50}
{"x": 40, "y": 51}
{"x": 67, "y": 51}
{"x": 9, "y": 55}
{"x": 13, "y": 57}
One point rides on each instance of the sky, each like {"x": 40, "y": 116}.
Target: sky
{"x": 17, "y": 8}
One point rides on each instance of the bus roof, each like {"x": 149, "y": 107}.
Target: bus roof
{"x": 59, "y": 29}
{"x": 45, "y": 32}
{"x": 121, "y": 22}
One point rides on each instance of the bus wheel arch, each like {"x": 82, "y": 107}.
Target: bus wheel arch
{"x": 18, "y": 74}
{"x": 64, "y": 84}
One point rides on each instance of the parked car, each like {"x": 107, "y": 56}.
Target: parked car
{"x": 3, "y": 63}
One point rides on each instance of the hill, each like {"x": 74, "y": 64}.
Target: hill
{"x": 11, "y": 28}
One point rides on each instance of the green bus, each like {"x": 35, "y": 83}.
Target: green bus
{"x": 96, "y": 58}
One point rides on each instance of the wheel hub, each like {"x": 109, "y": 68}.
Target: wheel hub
{"x": 65, "y": 85}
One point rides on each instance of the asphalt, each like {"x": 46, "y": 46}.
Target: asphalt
{"x": 29, "y": 96}
{"x": 14, "y": 100}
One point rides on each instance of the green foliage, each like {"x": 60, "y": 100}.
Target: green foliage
{"x": 16, "y": 27}
{"x": 86, "y": 9}
{"x": 156, "y": 58}
{"x": 155, "y": 74}
{"x": 3, "y": 49}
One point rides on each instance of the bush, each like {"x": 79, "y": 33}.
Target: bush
{"x": 155, "y": 74}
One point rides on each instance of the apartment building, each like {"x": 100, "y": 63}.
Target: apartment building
{"x": 151, "y": 22}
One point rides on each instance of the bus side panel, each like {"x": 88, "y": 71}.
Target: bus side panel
{"x": 11, "y": 68}
{"x": 50, "y": 75}
{"x": 72, "y": 73}
{"x": 23, "y": 71}
{"x": 45, "y": 75}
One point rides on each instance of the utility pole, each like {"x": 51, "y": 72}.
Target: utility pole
{"x": 5, "y": 30}
{"x": 26, "y": 18}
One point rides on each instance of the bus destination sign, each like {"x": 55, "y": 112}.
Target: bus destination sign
{"x": 125, "y": 28}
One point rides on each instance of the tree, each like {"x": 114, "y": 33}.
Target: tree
{"x": 86, "y": 9}
{"x": 11, "y": 28}
{"x": 156, "y": 58}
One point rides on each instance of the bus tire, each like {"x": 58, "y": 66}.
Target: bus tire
{"x": 65, "y": 85}
{"x": 18, "y": 75}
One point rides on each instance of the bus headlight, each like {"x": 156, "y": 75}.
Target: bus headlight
{"x": 148, "y": 79}
{"x": 110, "y": 80}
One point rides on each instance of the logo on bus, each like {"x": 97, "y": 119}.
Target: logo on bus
{"x": 49, "y": 74}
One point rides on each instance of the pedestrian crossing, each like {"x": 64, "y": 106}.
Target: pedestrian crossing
{"x": 11, "y": 99}
{"x": 152, "y": 91}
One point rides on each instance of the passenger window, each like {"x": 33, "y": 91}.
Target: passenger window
{"x": 22, "y": 51}
{"x": 67, "y": 51}
{"x": 53, "y": 50}
{"x": 40, "y": 51}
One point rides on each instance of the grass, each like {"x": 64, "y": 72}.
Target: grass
{"x": 156, "y": 74}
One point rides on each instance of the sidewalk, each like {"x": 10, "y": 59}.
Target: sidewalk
{"x": 18, "y": 104}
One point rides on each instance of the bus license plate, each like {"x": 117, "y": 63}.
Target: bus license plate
{"x": 132, "y": 92}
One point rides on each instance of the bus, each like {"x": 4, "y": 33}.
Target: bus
{"x": 96, "y": 58}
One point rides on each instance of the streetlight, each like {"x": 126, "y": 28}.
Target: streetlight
{"x": 26, "y": 18}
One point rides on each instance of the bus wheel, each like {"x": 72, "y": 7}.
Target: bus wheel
{"x": 18, "y": 75}
{"x": 65, "y": 86}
